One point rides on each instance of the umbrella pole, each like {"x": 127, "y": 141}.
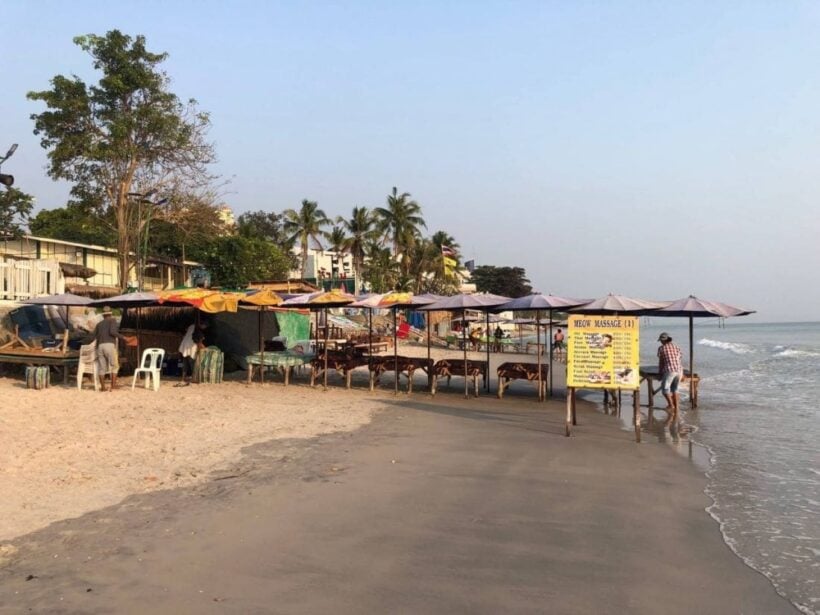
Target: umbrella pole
{"x": 487, "y": 332}
{"x": 327, "y": 326}
{"x": 691, "y": 364}
{"x": 395, "y": 352}
{"x": 370, "y": 342}
{"x": 550, "y": 342}
{"x": 138, "y": 336}
{"x": 430, "y": 369}
{"x": 538, "y": 350}
{"x": 464, "y": 346}
{"x": 261, "y": 350}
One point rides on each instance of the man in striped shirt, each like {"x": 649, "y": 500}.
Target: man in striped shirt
{"x": 670, "y": 366}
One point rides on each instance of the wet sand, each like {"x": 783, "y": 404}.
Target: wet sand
{"x": 438, "y": 505}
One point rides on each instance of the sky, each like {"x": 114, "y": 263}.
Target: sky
{"x": 651, "y": 149}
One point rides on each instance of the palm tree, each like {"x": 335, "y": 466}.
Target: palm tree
{"x": 401, "y": 222}
{"x": 380, "y": 269}
{"x": 304, "y": 225}
{"x": 337, "y": 240}
{"x": 361, "y": 231}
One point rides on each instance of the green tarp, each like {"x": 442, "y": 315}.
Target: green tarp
{"x": 293, "y": 326}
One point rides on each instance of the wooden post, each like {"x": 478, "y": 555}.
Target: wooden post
{"x": 568, "y": 422}
{"x": 636, "y": 413}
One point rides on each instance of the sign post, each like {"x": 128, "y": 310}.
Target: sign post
{"x": 603, "y": 352}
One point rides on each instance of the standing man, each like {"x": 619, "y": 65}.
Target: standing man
{"x": 670, "y": 367}
{"x": 106, "y": 334}
{"x": 558, "y": 343}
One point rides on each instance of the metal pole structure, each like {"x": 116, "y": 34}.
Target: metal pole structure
{"x": 429, "y": 367}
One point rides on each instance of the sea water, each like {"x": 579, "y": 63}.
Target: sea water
{"x": 759, "y": 417}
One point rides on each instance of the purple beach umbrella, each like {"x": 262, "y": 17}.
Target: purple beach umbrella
{"x": 538, "y": 302}
{"x": 691, "y": 307}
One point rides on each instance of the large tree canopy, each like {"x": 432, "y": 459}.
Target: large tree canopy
{"x": 234, "y": 261}
{"x": 504, "y": 281}
{"x": 127, "y": 133}
{"x": 72, "y": 223}
{"x": 15, "y": 207}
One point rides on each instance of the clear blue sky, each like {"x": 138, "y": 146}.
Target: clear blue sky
{"x": 654, "y": 149}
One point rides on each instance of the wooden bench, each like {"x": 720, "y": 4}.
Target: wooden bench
{"x": 508, "y": 372}
{"x": 344, "y": 362}
{"x": 447, "y": 368}
{"x": 406, "y": 365}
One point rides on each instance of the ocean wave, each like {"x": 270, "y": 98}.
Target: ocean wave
{"x": 730, "y": 346}
{"x": 791, "y": 352}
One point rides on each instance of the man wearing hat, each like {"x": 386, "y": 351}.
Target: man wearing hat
{"x": 106, "y": 334}
{"x": 670, "y": 367}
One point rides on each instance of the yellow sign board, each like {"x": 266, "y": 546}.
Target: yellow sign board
{"x": 603, "y": 352}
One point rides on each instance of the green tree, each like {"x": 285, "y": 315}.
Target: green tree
{"x": 337, "y": 240}
{"x": 504, "y": 281}
{"x": 127, "y": 131}
{"x": 72, "y": 223}
{"x": 234, "y": 261}
{"x": 361, "y": 230}
{"x": 381, "y": 271}
{"x": 305, "y": 225}
{"x": 15, "y": 208}
{"x": 264, "y": 225}
{"x": 401, "y": 221}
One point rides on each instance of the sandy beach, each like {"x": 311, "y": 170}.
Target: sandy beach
{"x": 64, "y": 451}
{"x": 251, "y": 498}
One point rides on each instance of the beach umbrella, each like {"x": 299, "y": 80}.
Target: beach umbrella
{"x": 369, "y": 302}
{"x": 321, "y": 300}
{"x": 539, "y": 302}
{"x": 394, "y": 301}
{"x": 65, "y": 299}
{"x": 619, "y": 304}
{"x": 209, "y": 301}
{"x": 262, "y": 299}
{"x": 692, "y": 307}
{"x": 461, "y": 303}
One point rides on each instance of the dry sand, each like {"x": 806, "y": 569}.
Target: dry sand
{"x": 64, "y": 452}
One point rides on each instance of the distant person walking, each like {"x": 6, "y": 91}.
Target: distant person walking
{"x": 558, "y": 343}
{"x": 106, "y": 334}
{"x": 670, "y": 368}
{"x": 498, "y": 335}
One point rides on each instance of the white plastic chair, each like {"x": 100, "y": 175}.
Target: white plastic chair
{"x": 88, "y": 364}
{"x": 150, "y": 367}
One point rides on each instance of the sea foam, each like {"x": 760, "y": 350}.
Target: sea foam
{"x": 735, "y": 347}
